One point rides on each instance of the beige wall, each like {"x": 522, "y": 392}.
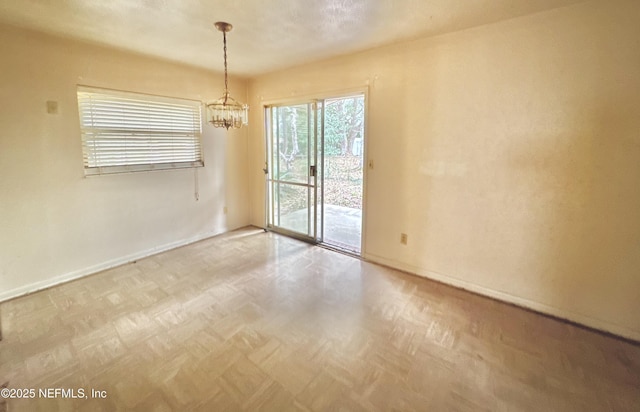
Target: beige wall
{"x": 509, "y": 153}
{"x": 54, "y": 223}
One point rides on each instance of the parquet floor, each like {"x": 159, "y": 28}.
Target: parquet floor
{"x": 257, "y": 321}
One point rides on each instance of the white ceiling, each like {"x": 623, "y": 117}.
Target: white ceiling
{"x": 267, "y": 35}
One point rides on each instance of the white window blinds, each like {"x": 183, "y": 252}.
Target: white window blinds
{"x": 127, "y": 132}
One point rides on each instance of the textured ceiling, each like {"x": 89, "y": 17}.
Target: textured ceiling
{"x": 268, "y": 34}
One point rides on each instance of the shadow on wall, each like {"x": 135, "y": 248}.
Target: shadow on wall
{"x": 585, "y": 186}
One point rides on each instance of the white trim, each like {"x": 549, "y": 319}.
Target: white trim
{"x": 458, "y": 283}
{"x": 365, "y": 174}
{"x": 321, "y": 95}
{"x": 571, "y": 316}
{"x": 77, "y": 274}
{"x": 129, "y": 93}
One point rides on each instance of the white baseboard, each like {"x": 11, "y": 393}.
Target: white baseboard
{"x": 581, "y": 319}
{"x": 47, "y": 283}
{"x": 458, "y": 283}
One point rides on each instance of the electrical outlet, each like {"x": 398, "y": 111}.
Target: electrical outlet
{"x": 403, "y": 238}
{"x": 225, "y": 210}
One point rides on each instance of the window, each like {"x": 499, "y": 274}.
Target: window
{"x": 129, "y": 132}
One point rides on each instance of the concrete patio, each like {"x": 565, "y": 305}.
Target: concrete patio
{"x": 342, "y": 226}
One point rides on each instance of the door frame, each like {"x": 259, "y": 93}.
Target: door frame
{"x": 313, "y": 235}
{"x": 368, "y": 163}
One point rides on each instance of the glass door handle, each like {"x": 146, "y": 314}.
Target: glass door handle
{"x": 312, "y": 171}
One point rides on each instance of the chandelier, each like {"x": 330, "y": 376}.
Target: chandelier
{"x": 226, "y": 111}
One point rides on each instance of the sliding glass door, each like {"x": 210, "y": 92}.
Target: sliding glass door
{"x": 292, "y": 172}
{"x": 315, "y": 170}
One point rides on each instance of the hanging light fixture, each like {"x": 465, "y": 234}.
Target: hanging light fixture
{"x": 226, "y": 111}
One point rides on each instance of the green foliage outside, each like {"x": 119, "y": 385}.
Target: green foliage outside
{"x": 343, "y": 137}
{"x": 343, "y": 124}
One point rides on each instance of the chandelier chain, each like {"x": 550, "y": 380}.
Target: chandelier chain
{"x": 226, "y": 83}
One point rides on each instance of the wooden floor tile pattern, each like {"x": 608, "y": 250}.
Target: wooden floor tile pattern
{"x": 257, "y": 321}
